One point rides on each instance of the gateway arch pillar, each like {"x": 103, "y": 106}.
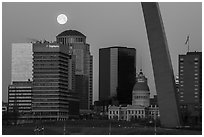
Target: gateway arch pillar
{"x": 162, "y": 66}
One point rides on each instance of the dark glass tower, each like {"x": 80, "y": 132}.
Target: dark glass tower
{"x": 117, "y": 71}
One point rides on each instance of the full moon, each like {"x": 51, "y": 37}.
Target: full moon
{"x": 62, "y": 19}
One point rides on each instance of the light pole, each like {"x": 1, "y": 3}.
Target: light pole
{"x": 110, "y": 128}
{"x": 64, "y": 129}
{"x": 155, "y": 124}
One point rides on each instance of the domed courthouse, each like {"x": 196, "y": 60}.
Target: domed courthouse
{"x": 140, "y": 102}
{"x": 140, "y": 93}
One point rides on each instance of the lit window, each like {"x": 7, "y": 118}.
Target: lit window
{"x": 181, "y": 92}
{"x": 181, "y": 66}
{"x": 195, "y": 58}
{"x": 195, "y": 92}
{"x": 181, "y": 59}
{"x": 196, "y": 85}
{"x": 196, "y": 63}
{"x": 195, "y": 66}
{"x": 196, "y": 78}
{"x": 181, "y": 96}
{"x": 196, "y": 96}
{"x": 181, "y": 70}
{"x": 196, "y": 74}
{"x": 181, "y": 81}
{"x": 181, "y": 85}
{"x": 196, "y": 88}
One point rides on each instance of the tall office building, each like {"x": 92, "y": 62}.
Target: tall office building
{"x": 84, "y": 64}
{"x": 53, "y": 97}
{"x": 190, "y": 86}
{"x": 117, "y": 71}
{"x": 21, "y": 63}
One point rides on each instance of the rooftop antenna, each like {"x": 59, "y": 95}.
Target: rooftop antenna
{"x": 187, "y": 42}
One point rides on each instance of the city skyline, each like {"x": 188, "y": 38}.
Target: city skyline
{"x": 184, "y": 19}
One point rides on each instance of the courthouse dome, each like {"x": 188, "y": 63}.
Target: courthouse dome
{"x": 71, "y": 33}
{"x": 141, "y": 83}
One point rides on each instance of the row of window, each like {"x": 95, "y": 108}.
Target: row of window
{"x": 20, "y": 100}
{"x": 128, "y": 112}
{"x": 141, "y": 97}
{"x": 20, "y": 104}
{"x": 19, "y": 94}
{"x": 19, "y": 97}
{"x": 195, "y": 59}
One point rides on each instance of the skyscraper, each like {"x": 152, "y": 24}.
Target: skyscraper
{"x": 117, "y": 71}
{"x": 76, "y": 41}
{"x": 190, "y": 86}
{"x": 21, "y": 63}
{"x": 53, "y": 97}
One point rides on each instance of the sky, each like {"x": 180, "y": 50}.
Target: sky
{"x": 105, "y": 25}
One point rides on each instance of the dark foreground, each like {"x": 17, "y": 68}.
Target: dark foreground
{"x": 92, "y": 128}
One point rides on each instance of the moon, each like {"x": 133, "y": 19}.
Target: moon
{"x": 62, "y": 19}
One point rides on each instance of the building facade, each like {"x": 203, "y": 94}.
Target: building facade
{"x": 21, "y": 61}
{"x": 53, "y": 95}
{"x": 190, "y": 87}
{"x": 76, "y": 41}
{"x": 117, "y": 70}
{"x": 20, "y": 97}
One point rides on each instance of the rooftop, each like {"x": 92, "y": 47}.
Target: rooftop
{"x": 71, "y": 33}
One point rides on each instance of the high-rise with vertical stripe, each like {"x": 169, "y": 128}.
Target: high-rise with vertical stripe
{"x": 117, "y": 71}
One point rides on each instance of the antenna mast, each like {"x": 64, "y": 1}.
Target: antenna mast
{"x": 187, "y": 42}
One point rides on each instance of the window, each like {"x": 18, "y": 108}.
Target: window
{"x": 195, "y": 92}
{"x": 181, "y": 85}
{"x": 181, "y": 92}
{"x": 196, "y": 89}
{"x": 181, "y": 96}
{"x": 181, "y": 70}
{"x": 181, "y": 59}
{"x": 196, "y": 78}
{"x": 195, "y": 58}
{"x": 196, "y": 74}
{"x": 113, "y": 112}
{"x": 181, "y": 66}
{"x": 196, "y": 63}
{"x": 181, "y": 81}
{"x": 110, "y": 112}
{"x": 196, "y": 96}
